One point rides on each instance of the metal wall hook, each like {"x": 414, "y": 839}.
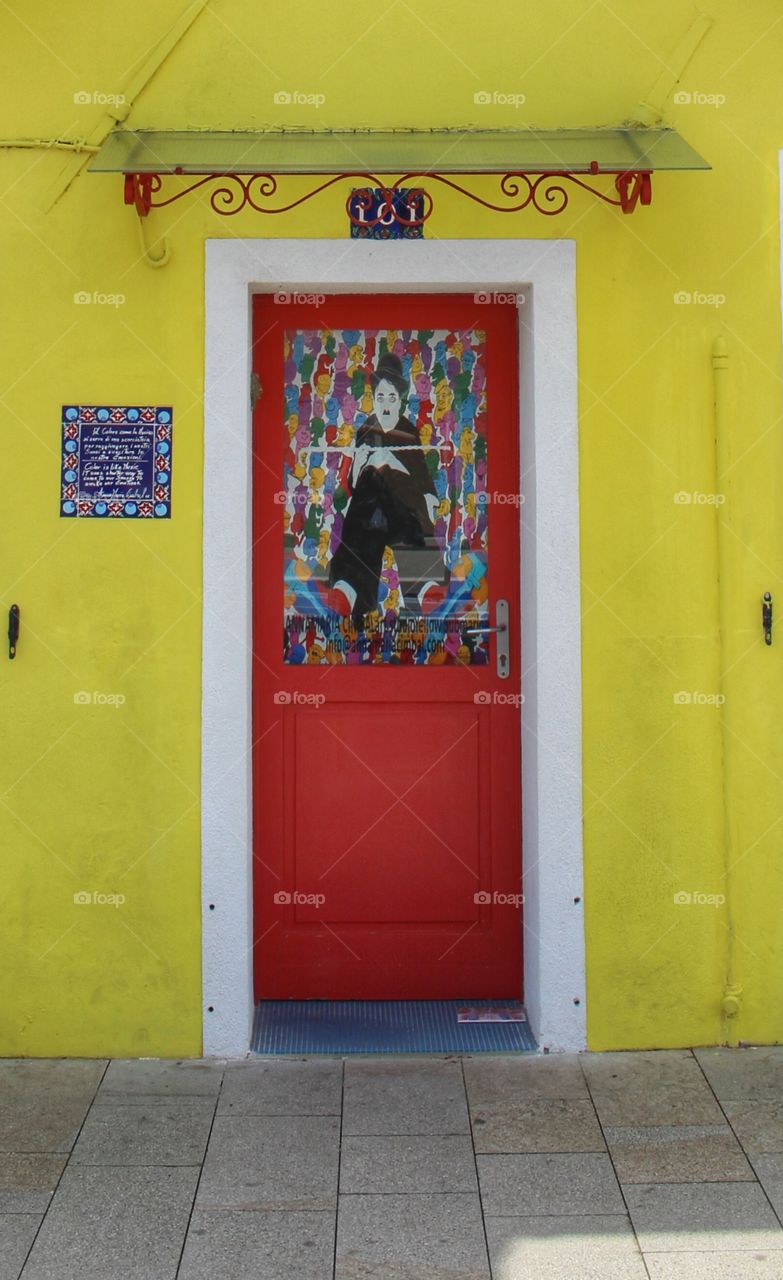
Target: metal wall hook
{"x": 13, "y": 629}
{"x": 766, "y": 616}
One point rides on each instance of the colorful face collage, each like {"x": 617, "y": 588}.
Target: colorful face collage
{"x": 385, "y": 497}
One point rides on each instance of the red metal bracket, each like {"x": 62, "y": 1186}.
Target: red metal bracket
{"x": 544, "y": 192}
{"x": 138, "y": 191}
{"x": 633, "y": 188}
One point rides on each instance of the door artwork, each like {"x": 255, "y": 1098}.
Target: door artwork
{"x": 385, "y": 556}
{"x": 387, "y": 845}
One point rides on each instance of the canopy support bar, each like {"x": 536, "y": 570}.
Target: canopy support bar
{"x": 544, "y": 192}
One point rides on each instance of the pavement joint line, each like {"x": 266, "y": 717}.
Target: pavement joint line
{"x": 614, "y": 1167}
{"x": 186, "y": 1232}
{"x": 66, "y": 1165}
{"x": 339, "y": 1167}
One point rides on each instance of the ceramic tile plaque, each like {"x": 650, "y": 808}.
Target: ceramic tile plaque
{"x": 116, "y": 461}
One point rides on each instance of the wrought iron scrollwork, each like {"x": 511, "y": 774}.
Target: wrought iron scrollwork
{"x": 547, "y": 193}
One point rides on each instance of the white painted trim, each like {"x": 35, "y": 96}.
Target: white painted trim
{"x": 545, "y": 272}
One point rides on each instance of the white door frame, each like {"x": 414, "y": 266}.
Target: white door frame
{"x": 543, "y": 274}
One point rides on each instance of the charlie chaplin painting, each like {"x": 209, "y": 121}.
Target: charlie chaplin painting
{"x": 393, "y": 497}
{"x": 384, "y": 496}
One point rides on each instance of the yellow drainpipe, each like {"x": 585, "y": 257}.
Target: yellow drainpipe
{"x": 732, "y": 991}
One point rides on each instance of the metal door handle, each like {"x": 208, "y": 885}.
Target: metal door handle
{"x": 501, "y": 630}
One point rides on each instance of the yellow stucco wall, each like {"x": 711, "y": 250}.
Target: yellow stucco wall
{"x": 106, "y": 798}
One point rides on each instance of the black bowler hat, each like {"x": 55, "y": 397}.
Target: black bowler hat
{"x": 389, "y": 367}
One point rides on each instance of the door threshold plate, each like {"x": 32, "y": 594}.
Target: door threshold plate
{"x": 389, "y": 1026}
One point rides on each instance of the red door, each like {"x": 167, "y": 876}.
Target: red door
{"x": 387, "y": 846}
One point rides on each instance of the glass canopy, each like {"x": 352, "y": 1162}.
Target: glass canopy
{"x": 456, "y": 151}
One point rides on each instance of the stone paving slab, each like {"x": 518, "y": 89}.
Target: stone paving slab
{"x": 311, "y": 1087}
{"x": 652, "y": 1088}
{"x": 44, "y": 1124}
{"x": 162, "y": 1132}
{"x": 404, "y": 1096}
{"x": 758, "y": 1125}
{"x": 703, "y": 1215}
{"x": 524, "y": 1078}
{"x": 744, "y": 1075}
{"x": 60, "y": 1077}
{"x": 564, "y": 1248}
{"x": 415, "y": 1237}
{"x": 542, "y": 1125}
{"x": 142, "y": 1079}
{"x": 769, "y": 1171}
{"x": 737, "y": 1265}
{"x": 229, "y": 1245}
{"x": 641, "y": 1072}
{"x": 680, "y": 1105}
{"x": 114, "y": 1224}
{"x": 408, "y": 1165}
{"x": 557, "y": 1184}
{"x": 27, "y": 1182}
{"x": 17, "y": 1232}
{"x": 271, "y": 1163}
{"x": 677, "y": 1153}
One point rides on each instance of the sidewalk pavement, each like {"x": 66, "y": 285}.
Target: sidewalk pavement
{"x": 615, "y": 1166}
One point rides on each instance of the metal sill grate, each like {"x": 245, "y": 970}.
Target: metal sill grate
{"x": 382, "y": 1026}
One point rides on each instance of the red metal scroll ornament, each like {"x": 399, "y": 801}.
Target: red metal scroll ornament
{"x": 544, "y": 192}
